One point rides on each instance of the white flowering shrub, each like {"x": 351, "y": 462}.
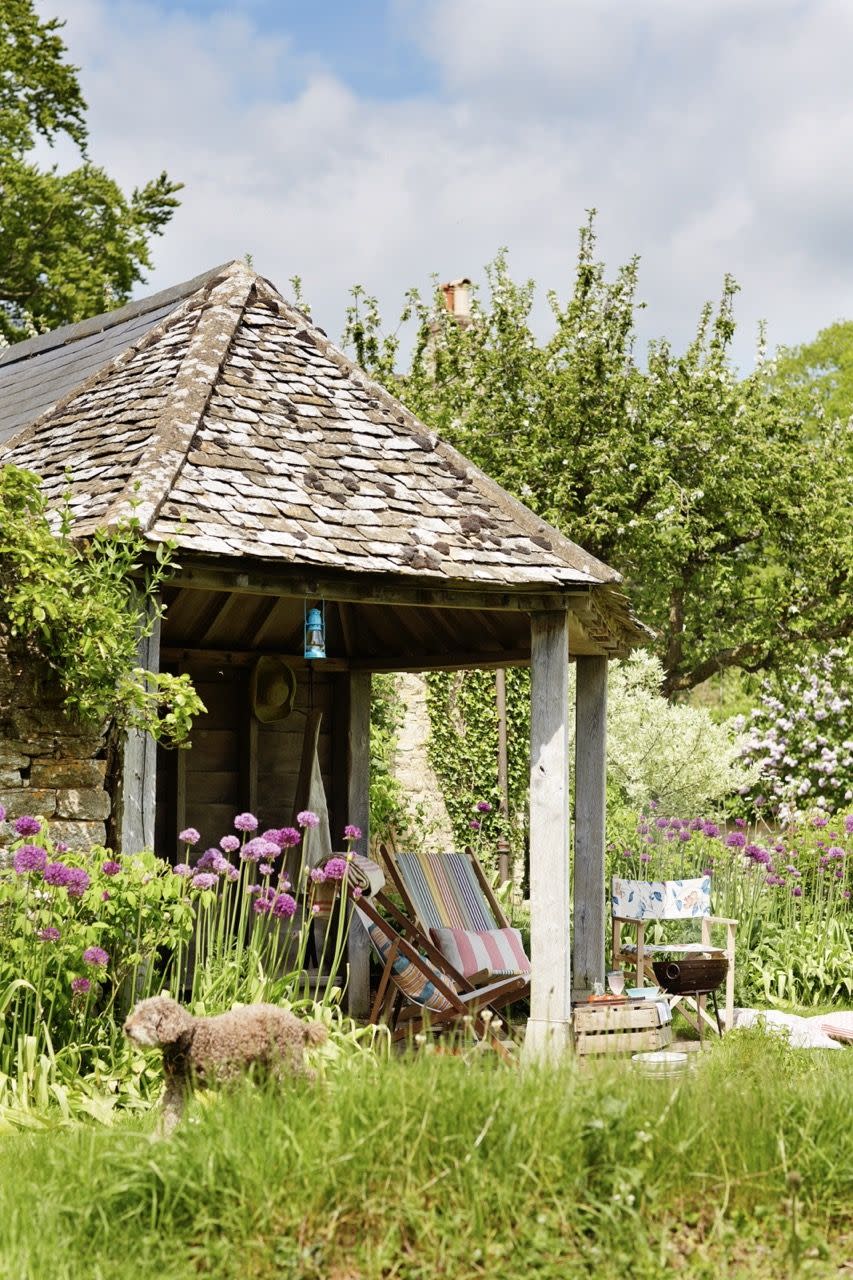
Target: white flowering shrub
{"x": 800, "y": 737}
{"x": 672, "y": 753}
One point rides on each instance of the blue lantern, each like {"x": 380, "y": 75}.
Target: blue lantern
{"x": 315, "y": 631}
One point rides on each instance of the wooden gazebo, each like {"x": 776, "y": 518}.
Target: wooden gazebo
{"x": 225, "y": 420}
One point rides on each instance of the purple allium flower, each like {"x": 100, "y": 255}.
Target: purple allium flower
{"x": 56, "y": 873}
{"x": 189, "y": 836}
{"x": 358, "y": 891}
{"x": 848, "y": 824}
{"x": 230, "y": 844}
{"x": 261, "y": 906}
{"x": 483, "y": 806}
{"x": 797, "y": 891}
{"x": 834, "y": 851}
{"x": 284, "y": 837}
{"x": 61, "y": 847}
{"x": 253, "y": 850}
{"x": 96, "y": 956}
{"x": 352, "y": 832}
{"x": 2, "y": 813}
{"x": 695, "y": 824}
{"x": 474, "y": 824}
{"x": 307, "y": 819}
{"x": 105, "y": 896}
{"x": 645, "y": 857}
{"x": 283, "y": 905}
{"x": 80, "y": 986}
{"x": 111, "y": 867}
{"x": 30, "y": 857}
{"x": 684, "y": 835}
{"x": 27, "y": 826}
{"x": 232, "y": 873}
{"x": 207, "y": 860}
{"x": 818, "y": 821}
{"x": 182, "y": 869}
{"x": 76, "y": 882}
{"x": 204, "y": 880}
{"x": 669, "y": 835}
{"x": 246, "y": 822}
{"x": 252, "y": 889}
{"x": 643, "y": 828}
{"x": 736, "y": 840}
{"x": 317, "y": 875}
{"x": 661, "y": 823}
{"x": 846, "y": 895}
{"x": 265, "y": 868}
{"x": 50, "y": 934}
{"x": 335, "y": 868}
{"x": 740, "y": 822}
{"x": 711, "y": 830}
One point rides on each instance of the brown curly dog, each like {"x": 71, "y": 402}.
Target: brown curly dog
{"x": 218, "y": 1049}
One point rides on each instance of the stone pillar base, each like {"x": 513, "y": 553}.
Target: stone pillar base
{"x": 546, "y": 1040}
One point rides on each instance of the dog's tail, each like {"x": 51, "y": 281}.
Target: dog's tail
{"x": 315, "y": 1033}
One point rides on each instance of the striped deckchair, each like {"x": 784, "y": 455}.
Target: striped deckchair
{"x": 453, "y": 904}
{"x": 417, "y": 992}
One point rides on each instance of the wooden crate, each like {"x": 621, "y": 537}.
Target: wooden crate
{"x": 627, "y": 1028}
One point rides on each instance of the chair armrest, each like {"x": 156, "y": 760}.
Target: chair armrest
{"x": 719, "y": 920}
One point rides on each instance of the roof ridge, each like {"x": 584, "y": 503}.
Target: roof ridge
{"x": 165, "y": 454}
{"x": 127, "y": 353}
{"x": 575, "y": 556}
{"x": 67, "y": 334}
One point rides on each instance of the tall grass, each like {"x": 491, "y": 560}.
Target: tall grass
{"x": 449, "y": 1167}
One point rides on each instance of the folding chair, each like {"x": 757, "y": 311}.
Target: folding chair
{"x": 635, "y": 903}
{"x": 455, "y": 909}
{"x": 429, "y": 997}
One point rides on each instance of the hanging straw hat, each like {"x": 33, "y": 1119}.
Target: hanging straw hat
{"x": 272, "y": 689}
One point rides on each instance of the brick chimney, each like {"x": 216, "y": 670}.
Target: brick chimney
{"x": 457, "y": 299}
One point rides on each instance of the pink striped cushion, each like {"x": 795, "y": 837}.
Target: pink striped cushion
{"x": 488, "y": 952}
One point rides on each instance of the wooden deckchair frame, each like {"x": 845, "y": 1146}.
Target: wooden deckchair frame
{"x": 419, "y": 928}
{"x": 467, "y": 1006}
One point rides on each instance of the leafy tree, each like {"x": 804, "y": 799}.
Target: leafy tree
{"x": 724, "y": 511}
{"x": 825, "y": 367}
{"x": 71, "y": 244}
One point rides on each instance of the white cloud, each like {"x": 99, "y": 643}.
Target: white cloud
{"x": 712, "y": 138}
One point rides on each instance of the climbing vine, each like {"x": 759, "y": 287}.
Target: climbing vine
{"x": 463, "y": 751}
{"x": 82, "y": 606}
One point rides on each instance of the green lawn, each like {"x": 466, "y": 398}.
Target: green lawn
{"x": 439, "y": 1166}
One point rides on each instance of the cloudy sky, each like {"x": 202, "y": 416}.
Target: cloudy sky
{"x": 379, "y": 141}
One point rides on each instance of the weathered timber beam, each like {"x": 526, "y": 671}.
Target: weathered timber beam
{"x": 365, "y": 589}
{"x": 549, "y": 1027}
{"x": 590, "y": 803}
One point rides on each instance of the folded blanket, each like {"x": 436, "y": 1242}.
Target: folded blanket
{"x": 365, "y": 874}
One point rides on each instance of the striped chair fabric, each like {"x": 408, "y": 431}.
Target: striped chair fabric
{"x": 445, "y": 891}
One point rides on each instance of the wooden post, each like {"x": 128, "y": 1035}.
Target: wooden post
{"x": 137, "y": 799}
{"x": 503, "y": 849}
{"x": 590, "y": 804}
{"x": 358, "y": 813}
{"x": 549, "y": 1027}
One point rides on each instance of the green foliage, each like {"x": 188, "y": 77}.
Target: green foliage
{"x": 463, "y": 751}
{"x": 457, "y": 1167}
{"x": 709, "y": 492}
{"x": 83, "y": 607}
{"x": 71, "y": 244}
{"x": 823, "y": 369}
{"x": 669, "y": 752}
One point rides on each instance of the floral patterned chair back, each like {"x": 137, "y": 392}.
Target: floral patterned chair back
{"x": 661, "y": 899}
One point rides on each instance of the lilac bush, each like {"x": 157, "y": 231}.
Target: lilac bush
{"x": 800, "y": 737}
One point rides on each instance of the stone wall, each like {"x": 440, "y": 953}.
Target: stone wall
{"x": 411, "y": 764}
{"x": 50, "y": 766}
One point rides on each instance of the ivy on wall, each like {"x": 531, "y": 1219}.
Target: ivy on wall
{"x": 81, "y": 606}
{"x": 463, "y": 751}
{"x": 393, "y": 819}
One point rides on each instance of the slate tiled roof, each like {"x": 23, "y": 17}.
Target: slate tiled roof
{"x": 234, "y": 426}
